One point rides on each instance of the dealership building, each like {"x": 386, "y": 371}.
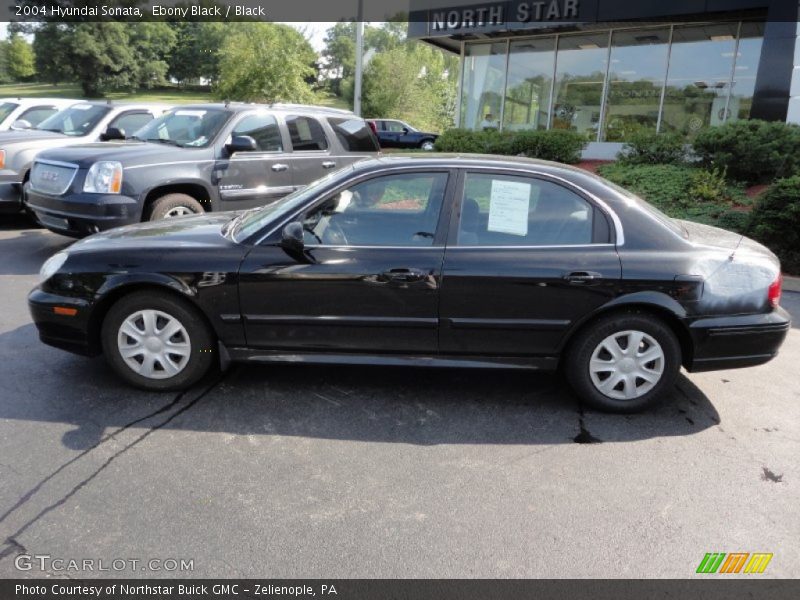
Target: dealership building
{"x": 611, "y": 68}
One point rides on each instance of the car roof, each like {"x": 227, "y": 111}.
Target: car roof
{"x": 25, "y": 100}
{"x": 126, "y": 105}
{"x": 238, "y": 107}
{"x": 464, "y": 160}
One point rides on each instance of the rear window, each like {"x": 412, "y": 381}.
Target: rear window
{"x": 354, "y": 135}
{"x": 306, "y": 134}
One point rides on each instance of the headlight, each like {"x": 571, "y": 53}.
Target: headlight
{"x": 104, "y": 177}
{"x": 52, "y": 265}
{"x": 2, "y": 159}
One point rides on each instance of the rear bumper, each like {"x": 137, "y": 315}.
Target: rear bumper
{"x": 69, "y": 333}
{"x": 82, "y": 214}
{"x": 737, "y": 341}
{"x": 10, "y": 197}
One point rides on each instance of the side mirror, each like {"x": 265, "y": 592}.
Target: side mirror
{"x": 21, "y": 124}
{"x": 292, "y": 237}
{"x": 112, "y": 133}
{"x": 241, "y": 143}
{"x": 405, "y": 130}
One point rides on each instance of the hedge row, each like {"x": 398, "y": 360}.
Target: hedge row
{"x": 557, "y": 145}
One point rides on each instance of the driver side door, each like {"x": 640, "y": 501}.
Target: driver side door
{"x": 369, "y": 275}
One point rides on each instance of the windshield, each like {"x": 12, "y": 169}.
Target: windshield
{"x": 6, "y": 108}
{"x": 193, "y": 127}
{"x": 252, "y": 221}
{"x": 77, "y": 120}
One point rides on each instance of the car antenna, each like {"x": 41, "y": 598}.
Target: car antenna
{"x": 227, "y": 103}
{"x": 739, "y": 243}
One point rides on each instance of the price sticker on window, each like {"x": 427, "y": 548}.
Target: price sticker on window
{"x": 509, "y": 206}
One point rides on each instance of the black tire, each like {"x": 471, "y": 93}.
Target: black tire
{"x": 201, "y": 340}
{"x": 581, "y": 349}
{"x": 161, "y": 207}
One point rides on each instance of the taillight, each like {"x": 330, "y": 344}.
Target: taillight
{"x": 372, "y": 126}
{"x": 774, "y": 292}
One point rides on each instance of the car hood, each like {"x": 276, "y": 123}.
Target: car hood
{"x": 29, "y": 135}
{"x": 196, "y": 231}
{"x": 129, "y": 153}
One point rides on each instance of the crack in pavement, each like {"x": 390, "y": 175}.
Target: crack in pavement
{"x": 12, "y": 545}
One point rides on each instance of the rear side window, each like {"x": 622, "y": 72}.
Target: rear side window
{"x": 37, "y": 114}
{"x": 264, "y": 130}
{"x": 354, "y": 135}
{"x": 306, "y": 134}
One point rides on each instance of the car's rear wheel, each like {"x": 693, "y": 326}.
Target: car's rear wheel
{"x": 427, "y": 145}
{"x": 624, "y": 362}
{"x": 174, "y": 205}
{"x": 157, "y": 342}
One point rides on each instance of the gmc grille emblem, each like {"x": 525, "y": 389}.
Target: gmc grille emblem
{"x": 49, "y": 175}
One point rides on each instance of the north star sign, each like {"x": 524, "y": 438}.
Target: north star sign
{"x": 494, "y": 14}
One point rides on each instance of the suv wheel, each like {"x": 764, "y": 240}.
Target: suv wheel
{"x": 174, "y": 205}
{"x": 624, "y": 362}
{"x": 426, "y": 145}
{"x": 157, "y": 342}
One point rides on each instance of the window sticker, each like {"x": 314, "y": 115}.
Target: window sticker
{"x": 190, "y": 113}
{"x": 509, "y": 207}
{"x": 81, "y": 106}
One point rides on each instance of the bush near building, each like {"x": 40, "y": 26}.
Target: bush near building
{"x": 650, "y": 148}
{"x": 775, "y": 222}
{"x": 556, "y": 145}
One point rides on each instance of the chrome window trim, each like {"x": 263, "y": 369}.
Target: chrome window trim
{"x": 618, "y": 229}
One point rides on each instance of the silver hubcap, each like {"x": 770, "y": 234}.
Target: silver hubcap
{"x": 178, "y": 211}
{"x": 154, "y": 344}
{"x": 427, "y": 146}
{"x": 626, "y": 365}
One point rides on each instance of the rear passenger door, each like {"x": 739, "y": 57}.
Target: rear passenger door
{"x": 311, "y": 150}
{"x": 258, "y": 177}
{"x": 527, "y": 256}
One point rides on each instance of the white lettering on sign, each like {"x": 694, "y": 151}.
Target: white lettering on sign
{"x": 481, "y": 16}
{"x": 509, "y": 206}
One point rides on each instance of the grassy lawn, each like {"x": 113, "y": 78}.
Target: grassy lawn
{"x": 166, "y": 95}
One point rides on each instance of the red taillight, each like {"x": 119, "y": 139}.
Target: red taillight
{"x": 774, "y": 293}
{"x": 372, "y": 126}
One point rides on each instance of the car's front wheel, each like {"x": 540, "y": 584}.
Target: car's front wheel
{"x": 427, "y": 145}
{"x": 174, "y": 205}
{"x": 157, "y": 342}
{"x": 624, "y": 362}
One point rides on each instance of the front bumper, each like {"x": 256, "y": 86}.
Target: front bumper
{"x": 10, "y": 197}
{"x": 737, "y": 341}
{"x": 81, "y": 214}
{"x": 69, "y": 333}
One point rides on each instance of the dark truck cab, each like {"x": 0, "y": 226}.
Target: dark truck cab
{"x": 194, "y": 159}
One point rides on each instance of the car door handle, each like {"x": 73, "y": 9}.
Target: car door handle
{"x": 404, "y": 275}
{"x": 582, "y": 276}
{"x": 328, "y": 164}
{"x": 279, "y": 167}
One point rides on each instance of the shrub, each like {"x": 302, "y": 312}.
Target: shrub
{"x": 753, "y": 151}
{"x": 775, "y": 222}
{"x": 560, "y": 146}
{"x": 649, "y": 148}
{"x": 709, "y": 186}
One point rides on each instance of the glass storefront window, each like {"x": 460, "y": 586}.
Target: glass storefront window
{"x": 529, "y": 83}
{"x": 751, "y": 38}
{"x": 635, "y": 82}
{"x": 699, "y": 77}
{"x": 580, "y": 73}
{"x": 483, "y": 85}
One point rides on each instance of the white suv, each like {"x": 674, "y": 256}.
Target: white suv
{"x": 24, "y": 113}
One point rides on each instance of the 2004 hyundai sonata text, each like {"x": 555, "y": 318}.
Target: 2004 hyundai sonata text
{"x": 443, "y": 261}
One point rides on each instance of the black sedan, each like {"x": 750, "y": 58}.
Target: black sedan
{"x": 442, "y": 261}
{"x": 397, "y": 134}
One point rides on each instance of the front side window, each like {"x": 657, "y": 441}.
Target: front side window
{"x": 37, "y": 114}
{"x": 506, "y": 210}
{"x": 77, "y": 120}
{"x": 193, "y": 127}
{"x": 264, "y": 130}
{"x": 306, "y": 134}
{"x": 130, "y": 122}
{"x": 393, "y": 210}
{"x": 395, "y": 126}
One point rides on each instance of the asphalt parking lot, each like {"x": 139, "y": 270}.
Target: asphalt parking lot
{"x": 377, "y": 472}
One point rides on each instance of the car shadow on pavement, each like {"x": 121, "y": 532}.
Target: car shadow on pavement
{"x": 372, "y": 404}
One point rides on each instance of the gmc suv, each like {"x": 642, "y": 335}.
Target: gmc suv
{"x": 205, "y": 157}
{"x": 79, "y": 123}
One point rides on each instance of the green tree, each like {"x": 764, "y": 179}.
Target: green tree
{"x": 19, "y": 58}
{"x": 265, "y": 62}
{"x": 196, "y": 55}
{"x": 50, "y": 47}
{"x": 101, "y": 57}
{"x": 412, "y": 82}
{"x": 152, "y": 44}
{"x": 340, "y": 55}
